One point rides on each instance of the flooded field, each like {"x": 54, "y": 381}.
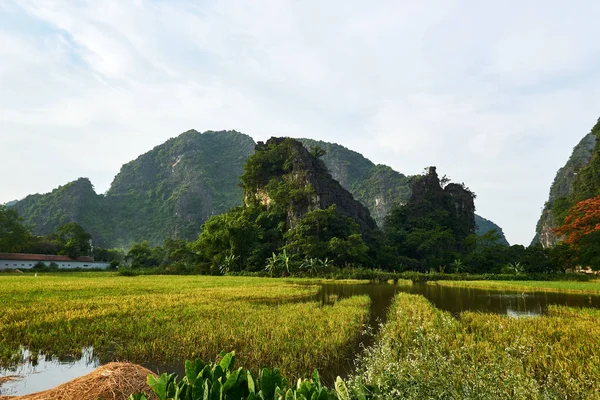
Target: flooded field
{"x": 47, "y": 372}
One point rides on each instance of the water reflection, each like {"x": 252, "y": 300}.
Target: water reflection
{"x": 509, "y": 302}
{"x": 42, "y": 373}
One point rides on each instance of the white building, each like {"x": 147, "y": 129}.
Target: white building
{"x": 26, "y": 261}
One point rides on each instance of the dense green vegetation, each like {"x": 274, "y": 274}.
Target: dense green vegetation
{"x": 424, "y": 353}
{"x": 13, "y": 233}
{"x": 378, "y": 187}
{"x": 174, "y": 188}
{"x": 562, "y": 188}
{"x": 574, "y": 212}
{"x": 74, "y": 202}
{"x": 167, "y": 192}
{"x": 296, "y": 220}
{"x": 168, "y": 320}
{"x": 222, "y": 381}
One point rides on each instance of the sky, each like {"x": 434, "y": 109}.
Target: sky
{"x": 495, "y": 94}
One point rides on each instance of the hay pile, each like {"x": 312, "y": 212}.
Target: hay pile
{"x": 113, "y": 381}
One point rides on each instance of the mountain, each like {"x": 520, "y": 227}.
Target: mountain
{"x": 172, "y": 189}
{"x": 75, "y": 201}
{"x": 282, "y": 168}
{"x": 563, "y": 188}
{"x": 378, "y": 187}
{"x": 485, "y": 225}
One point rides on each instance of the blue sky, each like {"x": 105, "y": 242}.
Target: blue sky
{"x": 496, "y": 94}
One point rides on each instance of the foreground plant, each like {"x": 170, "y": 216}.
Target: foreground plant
{"x": 221, "y": 381}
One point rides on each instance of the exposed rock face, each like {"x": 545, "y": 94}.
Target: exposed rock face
{"x": 563, "y": 187}
{"x": 308, "y": 177}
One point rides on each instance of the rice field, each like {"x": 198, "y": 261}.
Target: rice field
{"x": 591, "y": 287}
{"x": 168, "y": 319}
{"x": 424, "y": 353}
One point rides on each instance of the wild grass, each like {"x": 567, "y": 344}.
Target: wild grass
{"x": 425, "y": 353}
{"x": 550, "y": 286}
{"x": 167, "y": 319}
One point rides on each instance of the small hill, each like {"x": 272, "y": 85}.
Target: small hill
{"x": 74, "y": 202}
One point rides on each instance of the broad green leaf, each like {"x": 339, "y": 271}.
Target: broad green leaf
{"x": 217, "y": 373}
{"x": 267, "y": 384}
{"x": 158, "y": 385}
{"x": 290, "y": 395}
{"x": 306, "y": 388}
{"x": 227, "y": 361}
{"x": 316, "y": 378}
{"x": 323, "y": 394}
{"x": 251, "y": 383}
{"x": 231, "y": 381}
{"x": 206, "y": 372}
{"x": 216, "y": 391}
{"x": 192, "y": 369}
{"x": 197, "y": 393}
{"x": 206, "y": 391}
{"x": 341, "y": 389}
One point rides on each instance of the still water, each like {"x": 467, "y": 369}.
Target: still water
{"x": 49, "y": 372}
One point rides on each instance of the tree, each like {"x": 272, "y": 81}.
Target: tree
{"x": 581, "y": 220}
{"x": 73, "y": 240}
{"x": 14, "y": 235}
{"x": 141, "y": 255}
{"x": 328, "y": 234}
{"x": 581, "y": 230}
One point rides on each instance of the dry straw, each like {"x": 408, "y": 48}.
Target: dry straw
{"x": 113, "y": 381}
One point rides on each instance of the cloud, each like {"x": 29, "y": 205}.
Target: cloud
{"x": 494, "y": 94}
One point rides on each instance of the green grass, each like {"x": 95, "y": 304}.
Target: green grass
{"x": 424, "y": 353}
{"x": 167, "y": 319}
{"x": 552, "y": 286}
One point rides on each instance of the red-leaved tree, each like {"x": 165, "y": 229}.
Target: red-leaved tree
{"x": 582, "y": 220}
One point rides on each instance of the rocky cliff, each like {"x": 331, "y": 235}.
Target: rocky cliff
{"x": 562, "y": 187}
{"x": 283, "y": 171}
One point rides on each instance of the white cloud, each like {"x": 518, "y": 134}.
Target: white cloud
{"x": 495, "y": 94}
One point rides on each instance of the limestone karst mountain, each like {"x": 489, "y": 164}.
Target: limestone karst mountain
{"x": 172, "y": 189}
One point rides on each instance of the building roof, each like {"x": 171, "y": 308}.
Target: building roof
{"x": 41, "y": 257}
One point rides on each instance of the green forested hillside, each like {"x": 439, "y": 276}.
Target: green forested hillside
{"x": 75, "y": 201}
{"x": 378, "y": 187}
{"x": 172, "y": 189}
{"x": 566, "y": 186}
